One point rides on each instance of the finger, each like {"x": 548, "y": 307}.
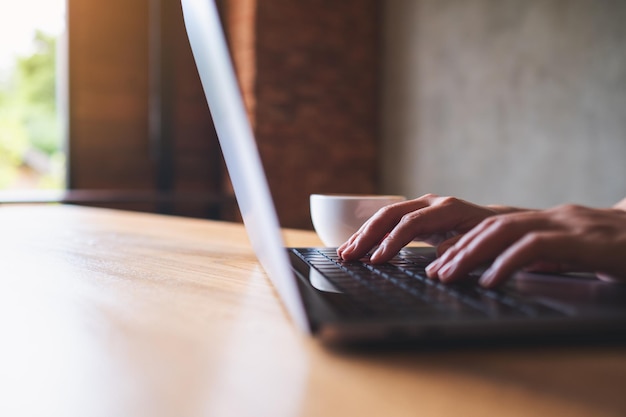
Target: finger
{"x": 447, "y": 244}
{"x": 376, "y": 228}
{"x": 469, "y": 253}
{"x": 432, "y": 220}
{"x": 545, "y": 247}
{"x": 487, "y": 243}
{"x": 429, "y": 215}
{"x": 433, "y": 269}
{"x": 346, "y": 244}
{"x": 442, "y": 248}
{"x": 449, "y": 214}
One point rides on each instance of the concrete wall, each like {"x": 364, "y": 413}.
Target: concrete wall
{"x": 505, "y": 101}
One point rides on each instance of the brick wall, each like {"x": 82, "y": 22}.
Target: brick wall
{"x": 309, "y": 70}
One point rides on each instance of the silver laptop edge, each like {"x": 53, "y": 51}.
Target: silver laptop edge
{"x": 219, "y": 82}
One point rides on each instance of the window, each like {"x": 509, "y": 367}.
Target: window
{"x": 31, "y": 129}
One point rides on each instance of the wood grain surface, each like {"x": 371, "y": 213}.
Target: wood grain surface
{"x": 112, "y": 313}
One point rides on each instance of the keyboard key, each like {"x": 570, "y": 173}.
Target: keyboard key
{"x": 401, "y": 287}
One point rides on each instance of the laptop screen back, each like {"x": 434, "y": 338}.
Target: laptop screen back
{"x": 234, "y": 132}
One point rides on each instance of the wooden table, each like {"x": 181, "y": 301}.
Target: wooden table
{"x": 110, "y": 313}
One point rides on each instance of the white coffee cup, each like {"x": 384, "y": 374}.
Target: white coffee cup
{"x": 337, "y": 216}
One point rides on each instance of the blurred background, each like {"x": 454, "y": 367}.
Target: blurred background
{"x": 32, "y": 145}
{"x": 514, "y": 102}
{"x": 496, "y": 101}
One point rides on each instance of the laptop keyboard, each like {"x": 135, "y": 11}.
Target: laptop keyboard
{"x": 400, "y": 287}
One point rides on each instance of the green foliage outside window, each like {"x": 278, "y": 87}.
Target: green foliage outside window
{"x": 30, "y": 131}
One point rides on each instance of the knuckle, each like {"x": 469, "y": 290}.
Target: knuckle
{"x": 410, "y": 218}
{"x": 429, "y": 196}
{"x": 386, "y": 211}
{"x": 568, "y": 208}
{"x": 496, "y": 221}
{"x": 540, "y": 244}
{"x": 534, "y": 239}
{"x": 448, "y": 201}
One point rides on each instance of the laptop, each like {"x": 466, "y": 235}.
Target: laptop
{"x": 359, "y": 303}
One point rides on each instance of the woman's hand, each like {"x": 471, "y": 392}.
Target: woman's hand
{"x": 567, "y": 237}
{"x": 440, "y": 221}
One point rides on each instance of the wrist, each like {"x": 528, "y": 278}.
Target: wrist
{"x": 498, "y": 209}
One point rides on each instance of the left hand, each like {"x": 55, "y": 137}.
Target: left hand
{"x": 439, "y": 221}
{"x": 573, "y": 237}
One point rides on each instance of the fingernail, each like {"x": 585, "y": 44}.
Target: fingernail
{"x": 486, "y": 277}
{"x": 377, "y": 253}
{"x": 347, "y": 250}
{"x": 446, "y": 271}
{"x": 431, "y": 269}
